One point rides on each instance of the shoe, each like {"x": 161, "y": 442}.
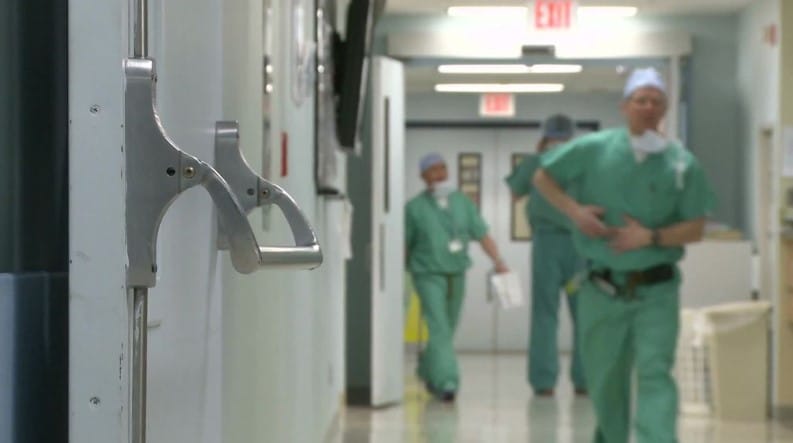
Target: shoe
{"x": 447, "y": 396}
{"x": 545, "y": 393}
{"x": 580, "y": 392}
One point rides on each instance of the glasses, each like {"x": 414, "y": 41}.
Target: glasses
{"x": 644, "y": 101}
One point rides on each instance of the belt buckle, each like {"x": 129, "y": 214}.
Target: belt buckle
{"x": 634, "y": 280}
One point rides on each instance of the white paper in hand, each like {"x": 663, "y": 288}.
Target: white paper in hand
{"x": 507, "y": 290}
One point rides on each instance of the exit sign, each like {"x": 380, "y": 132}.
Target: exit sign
{"x": 497, "y": 105}
{"x": 554, "y": 15}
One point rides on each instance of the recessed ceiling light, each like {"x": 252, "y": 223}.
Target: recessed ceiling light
{"x": 499, "y": 87}
{"x": 510, "y": 69}
{"x": 606, "y": 12}
{"x": 556, "y": 69}
{"x": 488, "y": 11}
{"x": 583, "y": 12}
{"x": 484, "y": 69}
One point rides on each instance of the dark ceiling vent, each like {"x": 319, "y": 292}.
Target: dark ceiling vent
{"x": 539, "y": 50}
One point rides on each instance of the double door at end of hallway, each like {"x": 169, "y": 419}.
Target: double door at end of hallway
{"x": 482, "y": 158}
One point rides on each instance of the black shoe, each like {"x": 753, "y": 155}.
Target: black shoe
{"x": 545, "y": 393}
{"x": 448, "y": 396}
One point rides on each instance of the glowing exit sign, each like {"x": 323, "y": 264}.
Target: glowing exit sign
{"x": 554, "y": 15}
{"x": 497, "y": 105}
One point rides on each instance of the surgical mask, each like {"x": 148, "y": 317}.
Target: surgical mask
{"x": 651, "y": 142}
{"x": 442, "y": 190}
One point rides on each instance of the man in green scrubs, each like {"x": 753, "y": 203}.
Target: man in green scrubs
{"x": 554, "y": 263}
{"x": 641, "y": 198}
{"x": 439, "y": 223}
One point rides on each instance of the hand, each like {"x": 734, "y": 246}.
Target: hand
{"x": 501, "y": 268}
{"x": 630, "y": 237}
{"x": 588, "y": 219}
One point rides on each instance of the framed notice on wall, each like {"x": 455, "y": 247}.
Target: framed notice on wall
{"x": 469, "y": 176}
{"x": 519, "y": 223}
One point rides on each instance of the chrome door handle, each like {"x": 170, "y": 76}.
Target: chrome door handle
{"x": 253, "y": 191}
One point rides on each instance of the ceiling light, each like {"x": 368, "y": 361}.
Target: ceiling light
{"x": 488, "y": 11}
{"x": 509, "y": 69}
{"x": 499, "y": 87}
{"x": 606, "y": 12}
{"x": 484, "y": 69}
{"x": 556, "y": 69}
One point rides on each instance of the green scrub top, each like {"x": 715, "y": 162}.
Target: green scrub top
{"x": 542, "y": 215}
{"x": 431, "y": 229}
{"x": 664, "y": 189}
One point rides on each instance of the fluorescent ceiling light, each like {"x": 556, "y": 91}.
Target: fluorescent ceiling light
{"x": 488, "y": 11}
{"x": 556, "y": 69}
{"x": 606, "y": 12}
{"x": 499, "y": 87}
{"x": 584, "y": 12}
{"x": 484, "y": 69}
{"x": 509, "y": 69}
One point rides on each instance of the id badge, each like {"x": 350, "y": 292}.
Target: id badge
{"x": 455, "y": 246}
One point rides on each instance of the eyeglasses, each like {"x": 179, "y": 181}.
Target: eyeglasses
{"x": 642, "y": 100}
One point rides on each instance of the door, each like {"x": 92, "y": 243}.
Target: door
{"x": 765, "y": 176}
{"x": 388, "y": 145}
{"x": 484, "y": 326}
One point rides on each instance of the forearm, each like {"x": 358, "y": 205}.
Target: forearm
{"x": 681, "y": 234}
{"x": 554, "y": 193}
{"x": 490, "y": 248}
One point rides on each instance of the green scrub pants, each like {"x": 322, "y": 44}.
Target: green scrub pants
{"x": 554, "y": 262}
{"x": 441, "y": 302}
{"x": 620, "y": 339}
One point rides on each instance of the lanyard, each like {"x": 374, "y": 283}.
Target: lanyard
{"x": 446, "y": 218}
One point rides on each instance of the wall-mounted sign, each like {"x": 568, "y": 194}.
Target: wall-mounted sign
{"x": 497, "y": 105}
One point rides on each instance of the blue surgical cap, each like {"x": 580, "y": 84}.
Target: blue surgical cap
{"x": 430, "y": 160}
{"x": 558, "y": 127}
{"x": 644, "y": 78}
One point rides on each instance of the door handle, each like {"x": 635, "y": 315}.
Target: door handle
{"x": 158, "y": 172}
{"x": 253, "y": 191}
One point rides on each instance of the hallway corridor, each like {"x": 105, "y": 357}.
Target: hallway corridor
{"x": 495, "y": 406}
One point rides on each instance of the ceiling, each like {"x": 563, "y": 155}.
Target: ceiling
{"x": 645, "y": 6}
{"x": 592, "y": 79}
{"x": 603, "y": 77}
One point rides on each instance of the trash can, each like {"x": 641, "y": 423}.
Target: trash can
{"x": 739, "y": 360}
{"x": 34, "y": 358}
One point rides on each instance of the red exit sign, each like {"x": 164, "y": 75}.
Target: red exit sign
{"x": 554, "y": 14}
{"x": 497, "y": 105}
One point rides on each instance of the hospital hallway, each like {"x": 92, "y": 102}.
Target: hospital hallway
{"x": 495, "y": 406}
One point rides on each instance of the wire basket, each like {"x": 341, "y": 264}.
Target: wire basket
{"x": 693, "y": 370}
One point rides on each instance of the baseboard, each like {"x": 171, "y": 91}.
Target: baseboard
{"x": 783, "y": 413}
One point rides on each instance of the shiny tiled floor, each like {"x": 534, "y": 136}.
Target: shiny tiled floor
{"x": 496, "y": 406}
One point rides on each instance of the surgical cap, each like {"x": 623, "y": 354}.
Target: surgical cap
{"x": 430, "y": 160}
{"x": 558, "y": 127}
{"x": 644, "y": 78}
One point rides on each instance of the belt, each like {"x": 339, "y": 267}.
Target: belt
{"x": 604, "y": 280}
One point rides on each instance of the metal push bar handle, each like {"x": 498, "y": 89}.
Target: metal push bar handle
{"x": 158, "y": 171}
{"x": 253, "y": 191}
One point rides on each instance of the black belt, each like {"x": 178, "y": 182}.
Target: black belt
{"x": 604, "y": 280}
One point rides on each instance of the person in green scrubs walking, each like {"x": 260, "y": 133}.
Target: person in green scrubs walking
{"x": 439, "y": 223}
{"x": 554, "y": 263}
{"x": 641, "y": 198}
